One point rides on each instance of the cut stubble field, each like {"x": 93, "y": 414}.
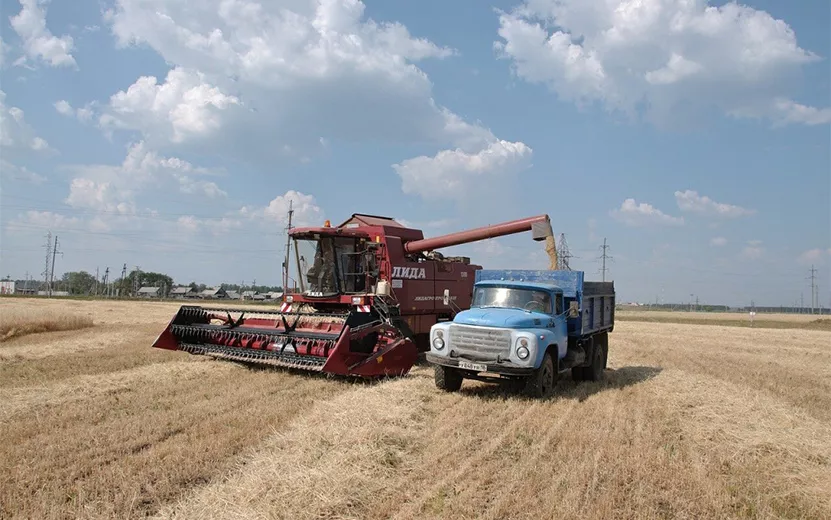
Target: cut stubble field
{"x": 693, "y": 421}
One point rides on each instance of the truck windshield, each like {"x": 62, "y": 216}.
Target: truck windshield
{"x": 328, "y": 266}
{"x": 514, "y": 298}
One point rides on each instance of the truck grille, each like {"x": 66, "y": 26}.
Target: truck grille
{"x": 480, "y": 342}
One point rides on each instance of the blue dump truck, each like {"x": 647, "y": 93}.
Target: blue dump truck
{"x": 527, "y": 326}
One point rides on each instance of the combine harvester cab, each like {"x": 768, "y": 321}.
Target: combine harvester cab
{"x": 369, "y": 292}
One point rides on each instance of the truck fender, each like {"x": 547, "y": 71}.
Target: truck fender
{"x": 553, "y": 349}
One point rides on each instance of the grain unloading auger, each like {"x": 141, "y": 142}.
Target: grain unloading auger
{"x": 369, "y": 291}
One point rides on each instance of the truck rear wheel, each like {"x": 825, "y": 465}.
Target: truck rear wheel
{"x": 541, "y": 383}
{"x": 448, "y": 379}
{"x": 604, "y": 340}
{"x": 594, "y": 372}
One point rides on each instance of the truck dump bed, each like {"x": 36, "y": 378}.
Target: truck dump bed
{"x": 596, "y": 300}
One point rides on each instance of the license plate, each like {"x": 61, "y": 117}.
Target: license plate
{"x": 472, "y": 366}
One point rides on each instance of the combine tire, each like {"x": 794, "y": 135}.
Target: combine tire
{"x": 447, "y": 378}
{"x": 541, "y": 383}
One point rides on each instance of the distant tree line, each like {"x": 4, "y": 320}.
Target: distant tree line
{"x": 702, "y": 307}
{"x": 83, "y": 283}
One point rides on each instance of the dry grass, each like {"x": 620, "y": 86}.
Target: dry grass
{"x": 693, "y": 422}
{"x": 16, "y": 321}
{"x": 733, "y": 319}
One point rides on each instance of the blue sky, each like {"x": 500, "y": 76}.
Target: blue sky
{"x": 171, "y": 135}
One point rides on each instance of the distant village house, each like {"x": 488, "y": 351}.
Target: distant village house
{"x": 183, "y": 292}
{"x": 149, "y": 292}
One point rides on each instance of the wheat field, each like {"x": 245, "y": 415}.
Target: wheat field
{"x": 693, "y": 421}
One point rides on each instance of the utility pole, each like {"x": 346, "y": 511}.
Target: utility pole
{"x": 604, "y": 256}
{"x": 48, "y": 257}
{"x": 801, "y": 303}
{"x": 137, "y": 281}
{"x": 123, "y": 279}
{"x": 696, "y": 304}
{"x": 813, "y": 287}
{"x": 52, "y": 275}
{"x": 106, "y": 280}
{"x": 288, "y": 248}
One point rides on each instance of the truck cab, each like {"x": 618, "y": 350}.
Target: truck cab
{"x": 525, "y": 330}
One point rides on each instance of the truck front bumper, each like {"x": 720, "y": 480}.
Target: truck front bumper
{"x": 507, "y": 369}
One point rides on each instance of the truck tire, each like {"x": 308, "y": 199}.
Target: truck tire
{"x": 581, "y": 373}
{"x": 595, "y": 371}
{"x": 448, "y": 379}
{"x": 604, "y": 339}
{"x": 541, "y": 383}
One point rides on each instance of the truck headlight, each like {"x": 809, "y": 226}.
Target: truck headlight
{"x": 522, "y": 348}
{"x": 438, "y": 341}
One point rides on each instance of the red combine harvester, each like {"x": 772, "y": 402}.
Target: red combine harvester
{"x": 369, "y": 291}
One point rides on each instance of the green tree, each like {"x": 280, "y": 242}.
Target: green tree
{"x": 78, "y": 282}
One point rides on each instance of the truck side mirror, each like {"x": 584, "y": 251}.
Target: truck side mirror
{"x": 573, "y": 310}
{"x": 446, "y": 299}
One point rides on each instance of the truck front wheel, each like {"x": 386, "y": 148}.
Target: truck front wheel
{"x": 448, "y": 378}
{"x": 541, "y": 383}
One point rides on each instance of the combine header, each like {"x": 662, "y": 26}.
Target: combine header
{"x": 370, "y": 289}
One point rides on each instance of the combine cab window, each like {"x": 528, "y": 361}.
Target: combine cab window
{"x": 329, "y": 266}
{"x": 351, "y": 273}
{"x": 509, "y": 297}
{"x": 316, "y": 266}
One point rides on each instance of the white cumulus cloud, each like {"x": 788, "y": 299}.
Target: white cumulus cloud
{"x": 753, "y": 250}
{"x": 307, "y": 212}
{"x": 718, "y": 241}
{"x": 65, "y": 108}
{"x": 38, "y": 41}
{"x": 692, "y": 202}
{"x": 669, "y": 57}
{"x": 253, "y": 79}
{"x": 114, "y": 188}
{"x": 814, "y": 256}
{"x": 9, "y": 171}
{"x": 636, "y": 214}
{"x": 452, "y": 174}
{"x": 183, "y": 105}
{"x": 15, "y": 132}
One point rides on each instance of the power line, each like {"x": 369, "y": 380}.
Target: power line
{"x": 813, "y": 287}
{"x": 48, "y": 257}
{"x": 603, "y": 257}
{"x": 52, "y": 275}
{"x": 563, "y": 254}
{"x": 121, "y": 282}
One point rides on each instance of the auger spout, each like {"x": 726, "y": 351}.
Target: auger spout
{"x": 540, "y": 227}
